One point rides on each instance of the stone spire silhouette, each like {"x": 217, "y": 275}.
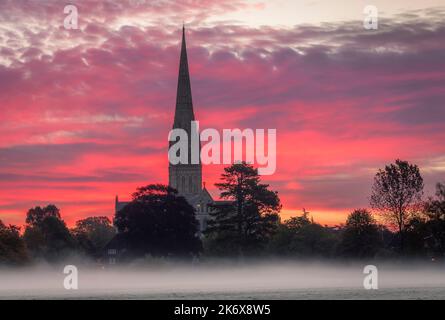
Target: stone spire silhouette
{"x": 184, "y": 102}
{"x": 186, "y": 178}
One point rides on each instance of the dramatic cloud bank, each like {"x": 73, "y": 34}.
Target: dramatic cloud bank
{"x": 85, "y": 113}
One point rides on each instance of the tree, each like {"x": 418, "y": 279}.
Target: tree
{"x": 249, "y": 216}
{"x": 435, "y": 225}
{"x": 314, "y": 240}
{"x": 46, "y": 234}
{"x": 93, "y": 234}
{"x": 158, "y": 222}
{"x": 302, "y": 237}
{"x": 296, "y": 223}
{"x": 397, "y": 195}
{"x": 360, "y": 236}
{"x": 435, "y": 207}
{"x": 12, "y": 246}
{"x": 36, "y": 215}
{"x": 416, "y": 236}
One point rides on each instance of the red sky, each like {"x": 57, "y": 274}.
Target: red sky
{"x": 85, "y": 113}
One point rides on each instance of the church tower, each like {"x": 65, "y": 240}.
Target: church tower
{"x": 186, "y": 178}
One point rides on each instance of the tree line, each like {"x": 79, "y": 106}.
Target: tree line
{"x": 47, "y": 238}
{"x": 399, "y": 222}
{"x": 159, "y": 222}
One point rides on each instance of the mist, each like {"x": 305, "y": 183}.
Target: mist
{"x": 227, "y": 280}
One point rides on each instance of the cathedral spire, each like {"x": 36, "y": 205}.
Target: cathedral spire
{"x": 184, "y": 103}
{"x": 186, "y": 178}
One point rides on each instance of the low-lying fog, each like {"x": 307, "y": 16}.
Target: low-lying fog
{"x": 225, "y": 280}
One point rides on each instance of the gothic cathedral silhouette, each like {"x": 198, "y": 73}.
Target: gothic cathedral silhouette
{"x": 186, "y": 178}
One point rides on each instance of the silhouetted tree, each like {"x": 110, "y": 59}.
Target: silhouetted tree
{"x": 360, "y": 236}
{"x": 435, "y": 207}
{"x": 249, "y": 217}
{"x": 46, "y": 234}
{"x": 435, "y": 225}
{"x": 12, "y": 246}
{"x": 158, "y": 222}
{"x": 397, "y": 195}
{"x": 302, "y": 237}
{"x": 36, "y": 215}
{"x": 416, "y": 233}
{"x": 296, "y": 223}
{"x": 93, "y": 234}
{"x": 282, "y": 242}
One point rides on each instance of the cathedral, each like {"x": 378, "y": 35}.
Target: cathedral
{"x": 186, "y": 178}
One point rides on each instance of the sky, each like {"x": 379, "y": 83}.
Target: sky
{"x": 85, "y": 114}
